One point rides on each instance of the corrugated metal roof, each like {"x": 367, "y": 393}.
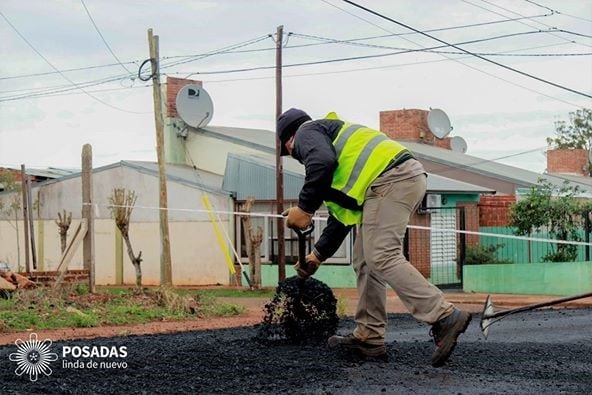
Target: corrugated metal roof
{"x": 254, "y": 176}
{"x": 489, "y": 168}
{"x": 182, "y": 174}
{"x": 438, "y": 183}
{"x": 51, "y": 172}
{"x": 264, "y": 140}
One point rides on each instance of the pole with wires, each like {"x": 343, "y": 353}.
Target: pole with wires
{"x": 279, "y": 176}
{"x": 166, "y": 271}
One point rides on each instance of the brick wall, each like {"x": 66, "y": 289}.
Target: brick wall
{"x": 172, "y": 88}
{"x": 406, "y": 124}
{"x": 495, "y": 210}
{"x": 419, "y": 244}
{"x": 410, "y": 125}
{"x": 471, "y": 221}
{"x": 568, "y": 161}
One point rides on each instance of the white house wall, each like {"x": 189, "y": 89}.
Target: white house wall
{"x": 196, "y": 254}
{"x": 209, "y": 153}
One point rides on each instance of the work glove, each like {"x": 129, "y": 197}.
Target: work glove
{"x": 311, "y": 266}
{"x": 297, "y": 218}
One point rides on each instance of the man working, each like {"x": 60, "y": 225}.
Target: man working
{"x": 366, "y": 179}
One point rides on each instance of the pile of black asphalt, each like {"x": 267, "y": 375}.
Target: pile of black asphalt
{"x": 301, "y": 310}
{"x": 538, "y": 352}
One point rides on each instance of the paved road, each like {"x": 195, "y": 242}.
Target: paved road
{"x": 541, "y": 352}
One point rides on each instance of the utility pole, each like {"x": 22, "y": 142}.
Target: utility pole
{"x": 31, "y": 227}
{"x": 24, "y": 191}
{"x": 279, "y": 178}
{"x": 88, "y": 243}
{"x": 166, "y": 277}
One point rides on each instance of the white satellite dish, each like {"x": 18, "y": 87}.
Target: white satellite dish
{"x": 194, "y": 105}
{"x": 439, "y": 123}
{"x": 458, "y": 144}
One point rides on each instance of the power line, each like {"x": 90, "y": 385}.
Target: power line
{"x": 326, "y": 40}
{"x": 304, "y": 64}
{"x": 469, "y": 52}
{"x": 521, "y": 22}
{"x": 218, "y": 51}
{"x": 103, "y": 38}
{"x": 66, "y": 70}
{"x": 456, "y": 60}
{"x": 62, "y": 74}
{"x": 67, "y": 91}
{"x": 41, "y": 92}
{"x": 198, "y": 56}
{"x": 558, "y": 12}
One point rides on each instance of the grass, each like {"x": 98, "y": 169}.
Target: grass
{"x": 238, "y": 293}
{"x": 75, "y": 307}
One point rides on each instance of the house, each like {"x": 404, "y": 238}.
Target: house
{"x": 246, "y": 160}
{"x": 197, "y": 256}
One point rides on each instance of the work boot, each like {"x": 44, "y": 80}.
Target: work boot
{"x": 445, "y": 333}
{"x": 350, "y": 342}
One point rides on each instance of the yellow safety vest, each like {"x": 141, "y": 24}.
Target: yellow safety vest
{"x": 362, "y": 155}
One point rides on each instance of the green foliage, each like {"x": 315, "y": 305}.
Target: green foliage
{"x": 575, "y": 134}
{"x": 12, "y": 205}
{"x": 554, "y": 209}
{"x": 484, "y": 255}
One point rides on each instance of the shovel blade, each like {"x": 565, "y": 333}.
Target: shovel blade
{"x": 485, "y": 320}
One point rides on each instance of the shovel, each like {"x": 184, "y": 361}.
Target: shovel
{"x": 489, "y": 316}
{"x": 302, "y": 235}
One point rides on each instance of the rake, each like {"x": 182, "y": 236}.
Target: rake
{"x": 489, "y": 316}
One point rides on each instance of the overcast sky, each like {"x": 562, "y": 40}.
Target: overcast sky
{"x": 45, "y": 119}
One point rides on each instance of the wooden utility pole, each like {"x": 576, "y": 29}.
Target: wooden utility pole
{"x": 88, "y": 243}
{"x": 24, "y": 191}
{"x": 31, "y": 227}
{"x": 279, "y": 178}
{"x": 166, "y": 272}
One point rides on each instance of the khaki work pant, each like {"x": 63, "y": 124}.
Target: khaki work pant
{"x": 378, "y": 260}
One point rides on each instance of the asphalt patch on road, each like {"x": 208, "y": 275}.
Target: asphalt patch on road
{"x": 542, "y": 352}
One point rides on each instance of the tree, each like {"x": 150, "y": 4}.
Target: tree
{"x": 254, "y": 240}
{"x": 555, "y": 209}
{"x": 575, "y": 134}
{"x": 122, "y": 204}
{"x": 63, "y": 223}
{"x": 12, "y": 206}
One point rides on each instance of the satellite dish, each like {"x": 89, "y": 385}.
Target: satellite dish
{"x": 458, "y": 144}
{"x": 194, "y": 105}
{"x": 439, "y": 123}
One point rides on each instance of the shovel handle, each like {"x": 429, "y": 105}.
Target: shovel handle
{"x": 302, "y": 234}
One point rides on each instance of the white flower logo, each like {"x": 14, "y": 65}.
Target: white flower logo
{"x": 33, "y": 357}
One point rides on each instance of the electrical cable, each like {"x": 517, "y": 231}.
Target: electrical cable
{"x": 558, "y": 12}
{"x": 469, "y": 52}
{"x": 65, "y": 70}
{"x": 103, "y": 38}
{"x": 62, "y": 74}
{"x": 152, "y": 74}
{"x": 521, "y": 22}
{"x": 352, "y": 42}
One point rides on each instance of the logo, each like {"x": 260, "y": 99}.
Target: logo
{"x": 33, "y": 357}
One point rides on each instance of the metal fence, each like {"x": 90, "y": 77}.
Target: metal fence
{"x": 458, "y": 236}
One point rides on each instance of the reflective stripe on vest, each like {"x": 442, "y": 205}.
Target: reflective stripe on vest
{"x": 362, "y": 155}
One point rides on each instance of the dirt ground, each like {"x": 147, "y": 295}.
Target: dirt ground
{"x": 540, "y": 352}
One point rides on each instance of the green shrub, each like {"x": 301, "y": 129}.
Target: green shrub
{"x": 483, "y": 255}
